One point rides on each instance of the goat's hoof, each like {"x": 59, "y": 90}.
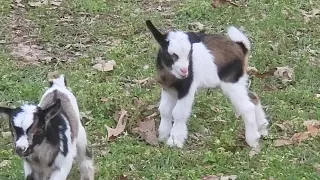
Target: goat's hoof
{"x": 263, "y": 129}
{"x": 172, "y": 142}
{"x": 253, "y": 138}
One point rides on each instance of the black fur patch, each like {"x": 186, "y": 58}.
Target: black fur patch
{"x": 231, "y": 72}
{"x": 193, "y": 37}
{"x": 30, "y": 177}
{"x": 88, "y": 153}
{"x": 50, "y": 83}
{"x": 57, "y": 127}
{"x": 243, "y": 47}
{"x": 183, "y": 85}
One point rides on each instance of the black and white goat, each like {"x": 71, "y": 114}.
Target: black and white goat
{"x": 48, "y": 136}
{"x": 187, "y": 61}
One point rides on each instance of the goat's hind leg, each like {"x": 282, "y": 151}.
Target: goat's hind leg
{"x": 84, "y": 156}
{"x": 239, "y": 97}
{"x": 261, "y": 120}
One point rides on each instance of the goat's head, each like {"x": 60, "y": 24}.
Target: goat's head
{"x": 176, "y": 50}
{"x": 28, "y": 125}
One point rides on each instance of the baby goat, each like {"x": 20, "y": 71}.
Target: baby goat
{"x": 187, "y": 61}
{"x": 49, "y": 135}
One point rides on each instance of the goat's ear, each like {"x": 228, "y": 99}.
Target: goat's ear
{"x": 156, "y": 34}
{"x": 52, "y": 111}
{"x": 7, "y": 112}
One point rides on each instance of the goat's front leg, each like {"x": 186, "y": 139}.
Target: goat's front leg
{"x": 181, "y": 113}
{"x": 64, "y": 166}
{"x": 168, "y": 101}
{"x": 27, "y": 171}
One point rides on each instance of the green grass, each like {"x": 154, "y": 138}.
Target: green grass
{"x": 219, "y": 150}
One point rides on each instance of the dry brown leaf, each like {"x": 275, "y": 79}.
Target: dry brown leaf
{"x": 121, "y": 125}
{"x": 147, "y": 130}
{"x": 313, "y": 129}
{"x": 4, "y": 163}
{"x": 196, "y": 26}
{"x": 104, "y": 66}
{"x": 252, "y": 70}
{"x": 104, "y": 99}
{"x": 214, "y": 177}
{"x": 282, "y": 142}
{"x": 284, "y": 73}
{"x": 141, "y": 81}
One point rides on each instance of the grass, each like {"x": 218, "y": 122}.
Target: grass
{"x": 116, "y": 30}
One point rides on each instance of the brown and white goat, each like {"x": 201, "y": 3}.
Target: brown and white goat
{"x": 187, "y": 61}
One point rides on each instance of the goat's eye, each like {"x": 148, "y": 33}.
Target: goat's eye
{"x": 174, "y": 56}
{"x": 40, "y": 131}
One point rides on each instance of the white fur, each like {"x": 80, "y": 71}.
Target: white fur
{"x": 205, "y": 76}
{"x": 77, "y": 147}
{"x": 237, "y": 36}
{"x": 24, "y": 119}
{"x": 22, "y": 142}
{"x": 179, "y": 44}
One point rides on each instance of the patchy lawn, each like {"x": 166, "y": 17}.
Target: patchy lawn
{"x": 73, "y": 36}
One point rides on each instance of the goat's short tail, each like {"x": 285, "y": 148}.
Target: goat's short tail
{"x": 59, "y": 81}
{"x": 237, "y": 36}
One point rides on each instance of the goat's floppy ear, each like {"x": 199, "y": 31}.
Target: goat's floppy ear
{"x": 5, "y": 111}
{"x": 156, "y": 34}
{"x": 52, "y": 111}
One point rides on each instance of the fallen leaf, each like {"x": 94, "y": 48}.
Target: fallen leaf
{"x": 4, "y": 163}
{"x": 196, "y": 26}
{"x": 141, "y": 81}
{"x": 121, "y": 125}
{"x": 147, "y": 130}
{"x": 104, "y": 66}
{"x": 313, "y": 129}
{"x": 214, "y": 177}
{"x": 284, "y": 73}
{"x": 282, "y": 142}
{"x": 104, "y": 99}
{"x": 86, "y": 115}
{"x": 252, "y": 70}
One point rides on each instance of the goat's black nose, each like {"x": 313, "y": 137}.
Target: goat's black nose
{"x": 20, "y": 150}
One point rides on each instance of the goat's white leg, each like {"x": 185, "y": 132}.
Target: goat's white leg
{"x": 261, "y": 120}
{"x": 181, "y": 113}
{"x": 238, "y": 95}
{"x": 84, "y": 156}
{"x": 167, "y": 103}
{"x": 64, "y": 166}
{"x": 27, "y": 171}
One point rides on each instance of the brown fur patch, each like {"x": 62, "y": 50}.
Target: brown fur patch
{"x": 165, "y": 78}
{"x": 224, "y": 50}
{"x": 67, "y": 110}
